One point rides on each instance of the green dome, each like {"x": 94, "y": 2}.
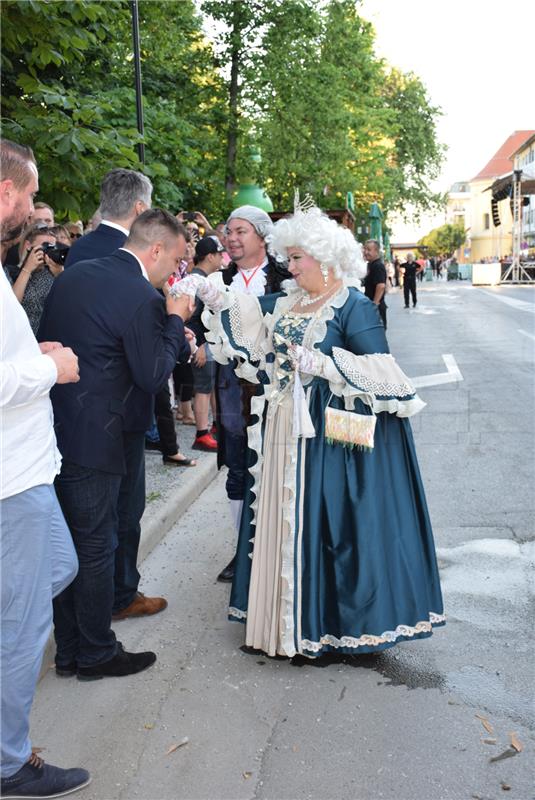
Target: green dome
{"x": 249, "y": 194}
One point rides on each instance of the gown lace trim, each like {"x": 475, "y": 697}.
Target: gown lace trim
{"x": 377, "y": 374}
{"x": 369, "y": 640}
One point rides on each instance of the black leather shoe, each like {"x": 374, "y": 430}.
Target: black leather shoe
{"x": 153, "y": 445}
{"x": 66, "y": 670}
{"x": 121, "y": 664}
{"x": 227, "y": 575}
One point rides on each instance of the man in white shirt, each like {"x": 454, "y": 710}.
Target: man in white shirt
{"x": 37, "y": 555}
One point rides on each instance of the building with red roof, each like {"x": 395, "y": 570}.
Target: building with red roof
{"x": 486, "y": 239}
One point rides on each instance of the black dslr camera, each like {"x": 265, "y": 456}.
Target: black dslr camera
{"x": 57, "y": 252}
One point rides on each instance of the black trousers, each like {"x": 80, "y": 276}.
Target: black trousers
{"x": 382, "y": 313}
{"x": 183, "y": 378}
{"x": 165, "y": 422}
{"x": 409, "y": 286}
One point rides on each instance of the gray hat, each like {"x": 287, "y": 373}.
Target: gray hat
{"x": 260, "y": 221}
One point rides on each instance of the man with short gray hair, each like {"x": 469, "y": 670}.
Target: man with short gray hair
{"x": 124, "y": 195}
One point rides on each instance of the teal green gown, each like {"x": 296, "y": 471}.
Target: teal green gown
{"x": 335, "y": 548}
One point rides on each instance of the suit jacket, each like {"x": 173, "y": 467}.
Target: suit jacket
{"x": 103, "y": 241}
{"x": 127, "y": 346}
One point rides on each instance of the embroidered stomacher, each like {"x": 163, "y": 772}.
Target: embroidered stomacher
{"x": 376, "y": 374}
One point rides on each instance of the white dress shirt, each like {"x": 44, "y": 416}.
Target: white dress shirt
{"x": 250, "y": 281}
{"x": 29, "y": 456}
{"x": 114, "y": 225}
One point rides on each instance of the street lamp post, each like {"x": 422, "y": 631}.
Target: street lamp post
{"x": 137, "y": 67}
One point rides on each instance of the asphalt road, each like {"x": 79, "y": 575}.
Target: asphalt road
{"x": 402, "y": 726}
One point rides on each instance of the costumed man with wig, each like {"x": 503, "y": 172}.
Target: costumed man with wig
{"x": 252, "y": 271}
{"x": 321, "y": 566}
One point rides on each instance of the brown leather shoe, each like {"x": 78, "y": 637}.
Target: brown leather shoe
{"x": 141, "y": 606}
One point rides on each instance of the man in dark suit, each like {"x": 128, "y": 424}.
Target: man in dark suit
{"x": 124, "y": 194}
{"x": 127, "y": 346}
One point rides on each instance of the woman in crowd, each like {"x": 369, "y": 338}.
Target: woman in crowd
{"x": 336, "y": 551}
{"x": 36, "y": 272}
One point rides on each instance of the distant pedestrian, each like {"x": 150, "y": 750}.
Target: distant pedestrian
{"x": 410, "y": 270}
{"x": 396, "y": 271}
{"x": 375, "y": 280}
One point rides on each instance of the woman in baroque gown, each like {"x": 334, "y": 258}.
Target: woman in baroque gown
{"x": 336, "y": 550}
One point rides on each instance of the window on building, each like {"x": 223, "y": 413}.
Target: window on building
{"x": 486, "y": 221}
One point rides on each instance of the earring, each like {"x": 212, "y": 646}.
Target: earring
{"x": 325, "y": 272}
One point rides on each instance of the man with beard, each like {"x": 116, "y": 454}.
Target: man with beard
{"x": 37, "y": 554}
{"x": 251, "y": 271}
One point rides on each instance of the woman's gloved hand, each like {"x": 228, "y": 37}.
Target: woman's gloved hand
{"x": 308, "y": 361}
{"x": 198, "y": 285}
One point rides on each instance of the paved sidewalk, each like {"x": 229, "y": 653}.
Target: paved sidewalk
{"x": 169, "y": 493}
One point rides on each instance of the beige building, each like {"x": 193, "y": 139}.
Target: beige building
{"x": 459, "y": 212}
{"x": 487, "y": 240}
{"x": 524, "y": 159}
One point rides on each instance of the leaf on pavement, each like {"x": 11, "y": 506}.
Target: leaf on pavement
{"x": 515, "y": 742}
{"x": 486, "y": 724}
{"x": 149, "y": 726}
{"x": 246, "y": 775}
{"x": 509, "y": 753}
{"x": 489, "y": 741}
{"x": 176, "y": 745}
{"x": 505, "y": 786}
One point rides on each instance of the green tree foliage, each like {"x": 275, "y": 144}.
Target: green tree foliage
{"x": 67, "y": 90}
{"x": 297, "y": 79}
{"x": 443, "y": 241}
{"x": 327, "y": 114}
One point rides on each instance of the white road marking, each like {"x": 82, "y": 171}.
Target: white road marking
{"x": 521, "y": 305}
{"x": 451, "y": 376}
{"x": 525, "y": 333}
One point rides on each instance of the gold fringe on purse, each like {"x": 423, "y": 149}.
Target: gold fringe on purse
{"x": 349, "y": 428}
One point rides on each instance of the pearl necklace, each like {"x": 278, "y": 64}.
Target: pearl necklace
{"x": 307, "y": 301}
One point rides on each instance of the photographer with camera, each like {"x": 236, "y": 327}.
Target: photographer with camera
{"x": 41, "y": 261}
{"x": 196, "y": 224}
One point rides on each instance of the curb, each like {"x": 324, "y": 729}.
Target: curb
{"x": 179, "y": 502}
{"x": 156, "y": 529}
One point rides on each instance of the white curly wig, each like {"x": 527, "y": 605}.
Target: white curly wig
{"x": 322, "y": 238}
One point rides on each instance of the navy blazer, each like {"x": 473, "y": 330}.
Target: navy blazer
{"x": 127, "y": 347}
{"x": 95, "y": 244}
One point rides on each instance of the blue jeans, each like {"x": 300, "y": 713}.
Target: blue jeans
{"x": 82, "y": 613}
{"x": 38, "y": 561}
{"x": 130, "y": 508}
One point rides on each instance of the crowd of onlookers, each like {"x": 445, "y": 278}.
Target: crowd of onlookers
{"x": 40, "y": 254}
